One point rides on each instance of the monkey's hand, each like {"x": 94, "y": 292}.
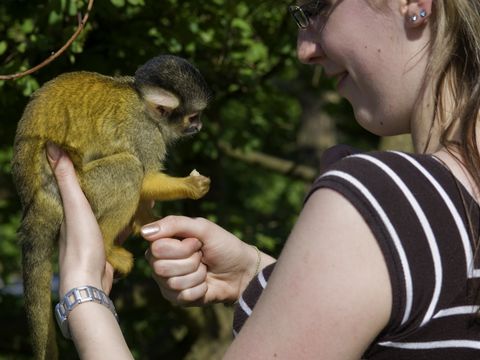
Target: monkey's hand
{"x": 160, "y": 186}
{"x": 199, "y": 184}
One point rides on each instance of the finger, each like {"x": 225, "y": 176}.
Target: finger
{"x": 184, "y": 282}
{"x": 175, "y": 226}
{"x": 191, "y": 296}
{"x": 107, "y": 279}
{"x": 174, "y": 249}
{"x": 171, "y": 268}
{"x": 79, "y": 217}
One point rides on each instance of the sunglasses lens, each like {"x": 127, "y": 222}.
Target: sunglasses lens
{"x": 299, "y": 16}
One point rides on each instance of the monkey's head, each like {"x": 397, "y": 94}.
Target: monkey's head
{"x": 175, "y": 93}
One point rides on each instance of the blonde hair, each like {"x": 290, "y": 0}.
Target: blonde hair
{"x": 455, "y": 67}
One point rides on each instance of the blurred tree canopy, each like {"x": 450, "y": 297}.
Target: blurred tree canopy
{"x": 270, "y": 120}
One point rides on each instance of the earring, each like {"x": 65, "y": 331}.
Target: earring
{"x": 414, "y": 17}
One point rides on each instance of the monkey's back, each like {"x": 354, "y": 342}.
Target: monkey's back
{"x": 83, "y": 112}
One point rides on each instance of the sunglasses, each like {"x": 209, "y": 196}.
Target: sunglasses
{"x": 304, "y": 13}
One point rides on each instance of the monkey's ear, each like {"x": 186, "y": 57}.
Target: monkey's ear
{"x": 162, "y": 100}
{"x": 163, "y": 110}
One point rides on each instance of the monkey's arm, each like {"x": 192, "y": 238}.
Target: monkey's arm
{"x": 160, "y": 186}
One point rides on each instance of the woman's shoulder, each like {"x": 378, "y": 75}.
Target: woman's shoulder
{"x": 348, "y": 156}
{"x": 415, "y": 210}
{"x": 344, "y": 166}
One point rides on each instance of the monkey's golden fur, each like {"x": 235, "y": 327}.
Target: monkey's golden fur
{"x": 117, "y": 147}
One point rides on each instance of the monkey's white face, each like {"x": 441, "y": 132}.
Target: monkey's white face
{"x": 163, "y": 107}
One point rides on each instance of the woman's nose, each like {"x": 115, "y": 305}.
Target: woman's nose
{"x": 309, "y": 50}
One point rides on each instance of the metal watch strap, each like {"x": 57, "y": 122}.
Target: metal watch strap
{"x": 76, "y": 296}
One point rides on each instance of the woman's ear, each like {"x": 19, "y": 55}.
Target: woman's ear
{"x": 416, "y": 12}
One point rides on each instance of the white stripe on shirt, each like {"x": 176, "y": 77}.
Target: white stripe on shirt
{"x": 244, "y": 306}
{"x": 471, "y": 272}
{"x": 427, "y": 229}
{"x": 458, "y": 310}
{"x": 392, "y": 232}
{"x": 434, "y": 344}
{"x": 261, "y": 279}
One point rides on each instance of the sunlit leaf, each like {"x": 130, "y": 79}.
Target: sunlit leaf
{"x": 118, "y": 3}
{"x": 3, "y": 47}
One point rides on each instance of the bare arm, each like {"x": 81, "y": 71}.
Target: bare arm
{"x": 93, "y": 327}
{"x": 329, "y": 295}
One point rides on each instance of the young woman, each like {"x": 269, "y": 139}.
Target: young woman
{"x": 381, "y": 263}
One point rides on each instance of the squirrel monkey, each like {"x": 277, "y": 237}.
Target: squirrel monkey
{"x": 116, "y": 131}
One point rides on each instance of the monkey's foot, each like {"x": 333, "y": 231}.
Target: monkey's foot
{"x": 136, "y": 227}
{"x": 121, "y": 259}
{"x": 198, "y": 185}
{"x": 143, "y": 216}
{"x": 138, "y": 223}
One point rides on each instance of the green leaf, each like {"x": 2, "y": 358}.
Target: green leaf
{"x": 22, "y": 47}
{"x": 193, "y": 26}
{"x": 118, "y": 3}
{"x": 27, "y": 26}
{"x": 3, "y": 47}
{"x": 207, "y": 36}
{"x": 137, "y": 2}
{"x": 29, "y": 84}
{"x": 242, "y": 25}
{"x": 72, "y": 8}
{"x": 256, "y": 52}
{"x": 242, "y": 9}
{"x": 54, "y": 17}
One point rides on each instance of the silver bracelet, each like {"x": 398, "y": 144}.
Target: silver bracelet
{"x": 76, "y": 296}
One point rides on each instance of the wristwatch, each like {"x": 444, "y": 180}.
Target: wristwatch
{"x": 75, "y": 297}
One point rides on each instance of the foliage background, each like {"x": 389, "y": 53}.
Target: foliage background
{"x": 269, "y": 112}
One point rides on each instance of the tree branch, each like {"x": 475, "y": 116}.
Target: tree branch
{"x": 54, "y": 55}
{"x": 282, "y": 166}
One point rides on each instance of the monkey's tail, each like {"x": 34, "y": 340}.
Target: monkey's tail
{"x": 38, "y": 235}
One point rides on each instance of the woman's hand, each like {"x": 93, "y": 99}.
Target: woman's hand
{"x": 94, "y": 329}
{"x": 196, "y": 262}
{"x": 82, "y": 253}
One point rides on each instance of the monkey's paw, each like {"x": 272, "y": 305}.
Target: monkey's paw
{"x": 199, "y": 184}
{"x": 120, "y": 259}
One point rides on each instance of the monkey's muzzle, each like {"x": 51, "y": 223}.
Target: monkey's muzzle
{"x": 194, "y": 125}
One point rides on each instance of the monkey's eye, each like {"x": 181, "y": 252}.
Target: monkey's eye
{"x": 163, "y": 111}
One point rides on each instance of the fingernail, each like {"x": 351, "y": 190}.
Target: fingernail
{"x": 53, "y": 151}
{"x": 149, "y": 230}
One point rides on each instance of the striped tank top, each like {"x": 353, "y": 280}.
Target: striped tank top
{"x": 426, "y": 225}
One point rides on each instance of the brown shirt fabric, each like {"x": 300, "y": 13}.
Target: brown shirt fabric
{"x": 427, "y": 227}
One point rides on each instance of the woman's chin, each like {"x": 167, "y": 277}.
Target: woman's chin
{"x": 380, "y": 125}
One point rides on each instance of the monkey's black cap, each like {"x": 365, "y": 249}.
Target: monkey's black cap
{"x": 174, "y": 74}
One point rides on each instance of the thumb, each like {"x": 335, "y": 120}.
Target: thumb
{"x": 72, "y": 195}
